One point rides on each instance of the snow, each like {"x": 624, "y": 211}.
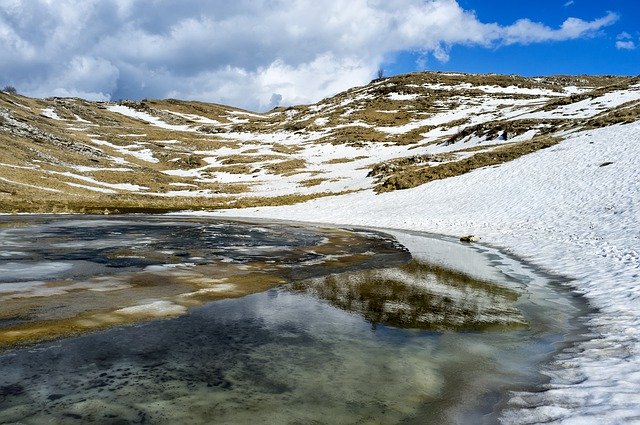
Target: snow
{"x": 196, "y": 118}
{"x": 119, "y": 186}
{"x": 249, "y": 114}
{"x": 158, "y": 308}
{"x": 50, "y": 113}
{"x": 589, "y": 107}
{"x": 137, "y": 150}
{"x": 143, "y": 116}
{"x": 399, "y": 96}
{"x": 512, "y": 90}
{"x": 144, "y": 154}
{"x": 560, "y": 209}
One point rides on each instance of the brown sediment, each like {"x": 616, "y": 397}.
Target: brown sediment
{"x": 80, "y": 310}
{"x": 61, "y": 308}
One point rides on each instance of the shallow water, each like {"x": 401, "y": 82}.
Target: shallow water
{"x": 296, "y": 353}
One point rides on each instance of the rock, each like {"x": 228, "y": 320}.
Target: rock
{"x": 470, "y": 238}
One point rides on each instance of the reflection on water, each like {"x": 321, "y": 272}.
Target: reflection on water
{"x": 421, "y": 296}
{"x": 358, "y": 334}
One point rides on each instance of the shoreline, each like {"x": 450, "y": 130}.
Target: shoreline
{"x": 476, "y": 412}
{"x": 574, "y": 218}
{"x": 479, "y": 261}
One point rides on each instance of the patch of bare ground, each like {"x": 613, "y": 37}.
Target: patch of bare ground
{"x": 312, "y": 182}
{"x": 344, "y": 160}
{"x": 390, "y": 167}
{"x": 39, "y": 202}
{"x": 415, "y": 175}
{"x": 286, "y": 168}
{"x": 619, "y": 83}
{"x": 248, "y": 159}
{"x": 285, "y": 149}
{"x": 231, "y": 169}
{"x": 507, "y": 129}
{"x": 624, "y": 114}
{"x": 355, "y": 136}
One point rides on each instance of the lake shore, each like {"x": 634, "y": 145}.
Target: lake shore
{"x": 576, "y": 219}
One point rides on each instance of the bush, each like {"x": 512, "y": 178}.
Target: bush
{"x": 10, "y": 90}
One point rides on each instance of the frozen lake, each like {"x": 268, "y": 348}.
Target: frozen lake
{"x": 155, "y": 319}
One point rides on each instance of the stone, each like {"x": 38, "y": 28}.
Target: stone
{"x": 470, "y": 238}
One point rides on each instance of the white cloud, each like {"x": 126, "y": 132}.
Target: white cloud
{"x": 525, "y": 31}
{"x": 569, "y": 3}
{"x": 242, "y": 52}
{"x": 625, "y": 45}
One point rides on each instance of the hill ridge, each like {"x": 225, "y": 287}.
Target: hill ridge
{"x": 70, "y": 154}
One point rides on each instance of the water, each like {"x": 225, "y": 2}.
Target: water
{"x": 320, "y": 338}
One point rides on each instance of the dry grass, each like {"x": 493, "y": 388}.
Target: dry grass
{"x": 136, "y": 203}
{"x": 286, "y": 168}
{"x": 355, "y": 136}
{"x": 232, "y": 169}
{"x": 312, "y": 182}
{"x": 624, "y": 114}
{"x": 344, "y": 160}
{"x": 285, "y": 149}
{"x": 412, "y": 175}
{"x": 248, "y": 159}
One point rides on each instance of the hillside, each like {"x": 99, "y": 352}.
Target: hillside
{"x": 160, "y": 155}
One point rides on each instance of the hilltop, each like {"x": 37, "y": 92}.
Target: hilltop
{"x": 66, "y": 154}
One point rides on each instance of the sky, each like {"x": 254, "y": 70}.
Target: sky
{"x": 258, "y": 54}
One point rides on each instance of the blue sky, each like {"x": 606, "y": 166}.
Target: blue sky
{"x": 258, "y": 54}
{"x": 595, "y": 54}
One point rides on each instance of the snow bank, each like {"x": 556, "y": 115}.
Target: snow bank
{"x": 158, "y": 308}
{"x": 563, "y": 209}
{"x": 143, "y": 116}
{"x": 50, "y": 113}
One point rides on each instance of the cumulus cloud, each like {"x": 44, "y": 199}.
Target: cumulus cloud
{"x": 253, "y": 54}
{"x": 625, "y": 45}
{"x": 625, "y": 41}
{"x": 525, "y": 31}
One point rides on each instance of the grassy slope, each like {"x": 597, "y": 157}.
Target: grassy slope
{"x": 86, "y": 158}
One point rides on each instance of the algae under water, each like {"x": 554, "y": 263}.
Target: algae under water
{"x": 309, "y": 325}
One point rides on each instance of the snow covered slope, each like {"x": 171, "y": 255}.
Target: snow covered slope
{"x": 396, "y": 133}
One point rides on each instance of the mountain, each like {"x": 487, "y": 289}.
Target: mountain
{"x": 64, "y": 154}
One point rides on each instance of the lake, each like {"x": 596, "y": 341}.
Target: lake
{"x": 166, "y": 319}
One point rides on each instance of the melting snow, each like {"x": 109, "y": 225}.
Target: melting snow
{"x": 143, "y": 116}
{"x": 398, "y": 96}
{"x": 50, "y": 113}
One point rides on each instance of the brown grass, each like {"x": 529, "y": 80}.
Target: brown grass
{"x": 344, "y": 160}
{"x": 285, "y": 149}
{"x": 412, "y": 176}
{"x": 136, "y": 203}
{"x": 288, "y": 167}
{"x": 247, "y": 159}
{"x": 312, "y": 182}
